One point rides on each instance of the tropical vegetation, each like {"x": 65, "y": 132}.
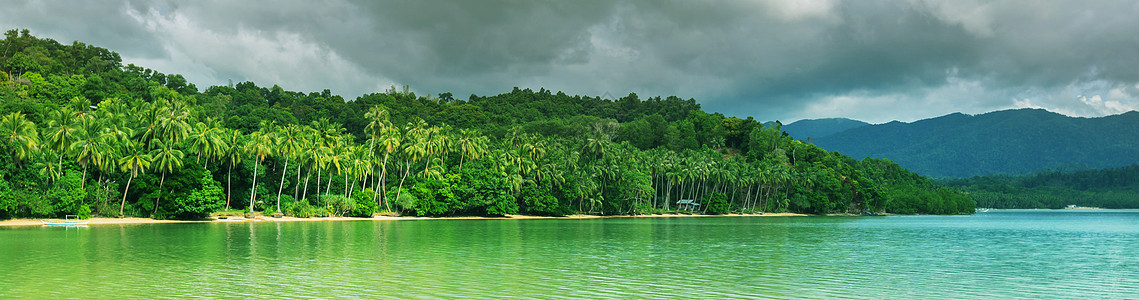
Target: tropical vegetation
{"x": 83, "y": 134}
{"x": 1106, "y": 188}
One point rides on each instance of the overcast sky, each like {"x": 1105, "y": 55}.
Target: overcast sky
{"x": 874, "y": 61}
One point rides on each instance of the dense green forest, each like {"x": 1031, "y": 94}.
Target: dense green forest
{"x": 1008, "y": 142}
{"x": 1109, "y": 188}
{"x": 83, "y": 134}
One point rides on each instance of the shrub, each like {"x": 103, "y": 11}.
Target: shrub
{"x": 539, "y": 202}
{"x": 718, "y": 204}
{"x": 365, "y": 206}
{"x": 406, "y": 201}
{"x": 199, "y": 203}
{"x": 300, "y": 209}
{"x": 337, "y": 205}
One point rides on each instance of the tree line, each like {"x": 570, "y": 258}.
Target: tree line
{"x": 99, "y": 138}
{"x": 1105, "y": 188}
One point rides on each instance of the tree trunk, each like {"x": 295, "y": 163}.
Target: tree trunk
{"x": 253, "y": 189}
{"x": 384, "y": 182}
{"x": 124, "y": 204}
{"x": 228, "y": 186}
{"x": 160, "y": 183}
{"x": 401, "y": 179}
{"x": 297, "y": 185}
{"x": 83, "y": 181}
{"x": 304, "y": 194}
{"x": 281, "y": 187}
{"x": 462, "y": 156}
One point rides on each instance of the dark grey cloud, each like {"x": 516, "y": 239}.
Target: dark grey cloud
{"x": 871, "y": 60}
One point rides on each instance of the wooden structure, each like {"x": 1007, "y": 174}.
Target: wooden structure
{"x": 687, "y": 204}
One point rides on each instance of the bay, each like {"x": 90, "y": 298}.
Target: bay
{"x": 1000, "y": 254}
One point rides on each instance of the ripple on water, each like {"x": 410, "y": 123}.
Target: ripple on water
{"x": 1004, "y": 255}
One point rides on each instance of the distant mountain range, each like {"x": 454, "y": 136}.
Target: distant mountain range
{"x": 816, "y": 128}
{"x": 1014, "y": 142}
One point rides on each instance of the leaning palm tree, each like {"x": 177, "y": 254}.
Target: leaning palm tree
{"x": 289, "y": 138}
{"x": 134, "y": 161}
{"x": 390, "y": 142}
{"x": 19, "y": 136}
{"x": 168, "y": 158}
{"x": 260, "y": 144}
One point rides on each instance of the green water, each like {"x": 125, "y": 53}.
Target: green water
{"x": 1007, "y": 254}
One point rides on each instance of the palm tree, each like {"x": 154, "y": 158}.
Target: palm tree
{"x": 233, "y": 154}
{"x": 173, "y": 125}
{"x": 389, "y": 141}
{"x": 206, "y": 140}
{"x": 338, "y": 158}
{"x": 19, "y": 135}
{"x": 290, "y": 143}
{"x": 260, "y": 144}
{"x": 168, "y": 158}
{"x": 413, "y": 150}
{"x": 60, "y": 133}
{"x": 135, "y": 161}
{"x": 89, "y": 146}
{"x": 471, "y": 144}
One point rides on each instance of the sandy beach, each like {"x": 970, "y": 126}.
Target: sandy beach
{"x": 105, "y": 221}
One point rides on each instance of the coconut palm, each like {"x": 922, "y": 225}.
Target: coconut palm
{"x": 90, "y": 144}
{"x": 260, "y": 144}
{"x": 19, "y": 136}
{"x": 206, "y": 140}
{"x": 168, "y": 158}
{"x": 390, "y": 140}
{"x": 174, "y": 125}
{"x": 134, "y": 161}
{"x": 60, "y": 133}
{"x": 232, "y": 153}
{"x": 289, "y": 143}
{"x": 471, "y": 145}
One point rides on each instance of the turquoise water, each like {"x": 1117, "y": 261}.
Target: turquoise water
{"x": 1000, "y": 254}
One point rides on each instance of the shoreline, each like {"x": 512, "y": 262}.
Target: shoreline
{"x": 121, "y": 221}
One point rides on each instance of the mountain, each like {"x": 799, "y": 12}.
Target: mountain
{"x": 817, "y": 128}
{"x": 1021, "y": 141}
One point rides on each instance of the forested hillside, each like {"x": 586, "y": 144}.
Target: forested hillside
{"x": 1110, "y": 188}
{"x": 812, "y": 129}
{"x": 1010, "y": 142}
{"x": 83, "y": 134}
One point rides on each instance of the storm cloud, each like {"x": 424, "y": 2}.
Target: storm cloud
{"x": 870, "y": 60}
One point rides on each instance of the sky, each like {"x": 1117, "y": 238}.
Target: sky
{"x": 869, "y": 60}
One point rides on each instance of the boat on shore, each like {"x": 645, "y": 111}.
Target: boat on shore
{"x": 69, "y": 221}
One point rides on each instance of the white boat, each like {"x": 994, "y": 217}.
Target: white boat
{"x": 69, "y": 221}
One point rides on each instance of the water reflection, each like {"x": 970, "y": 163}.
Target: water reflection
{"x": 992, "y": 255}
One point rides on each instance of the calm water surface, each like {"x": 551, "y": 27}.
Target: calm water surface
{"x": 1001, "y": 254}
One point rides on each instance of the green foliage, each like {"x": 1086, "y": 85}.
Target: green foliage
{"x": 1107, "y": 188}
{"x": 718, "y": 204}
{"x": 337, "y": 205}
{"x": 538, "y": 201}
{"x": 7, "y": 202}
{"x": 406, "y": 202}
{"x": 300, "y": 209}
{"x": 485, "y": 190}
{"x": 67, "y": 198}
{"x": 365, "y": 206}
{"x": 199, "y": 202}
{"x": 538, "y": 152}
